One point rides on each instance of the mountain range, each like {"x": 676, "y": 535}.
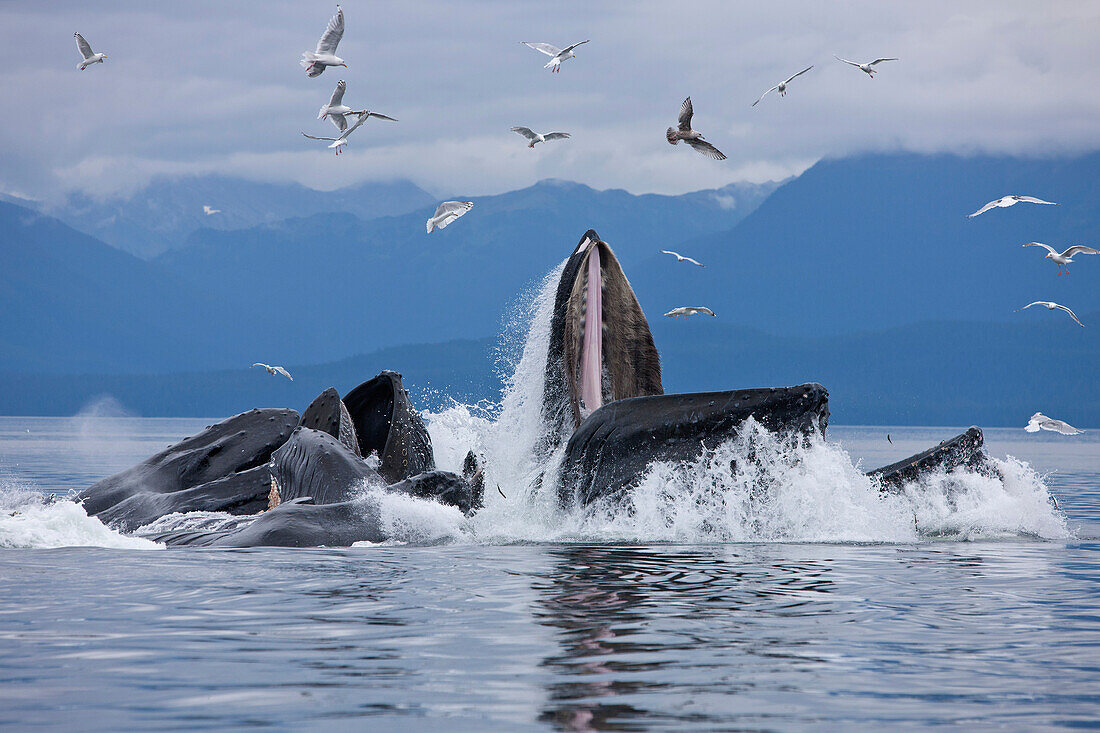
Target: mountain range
{"x": 863, "y": 273}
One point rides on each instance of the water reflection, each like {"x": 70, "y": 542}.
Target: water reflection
{"x": 634, "y": 624}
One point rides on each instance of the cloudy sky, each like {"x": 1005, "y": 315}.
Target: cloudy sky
{"x": 214, "y": 86}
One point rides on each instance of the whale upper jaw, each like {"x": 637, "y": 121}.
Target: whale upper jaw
{"x": 601, "y": 348}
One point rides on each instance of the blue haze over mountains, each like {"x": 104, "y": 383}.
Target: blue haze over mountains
{"x": 863, "y": 273}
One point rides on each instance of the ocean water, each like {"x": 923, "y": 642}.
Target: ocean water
{"x": 781, "y": 592}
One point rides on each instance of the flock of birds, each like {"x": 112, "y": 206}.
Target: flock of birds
{"x": 324, "y": 55}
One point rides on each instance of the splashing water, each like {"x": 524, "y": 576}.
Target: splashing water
{"x": 29, "y": 519}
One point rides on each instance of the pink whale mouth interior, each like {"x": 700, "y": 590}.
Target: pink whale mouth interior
{"x": 591, "y": 373}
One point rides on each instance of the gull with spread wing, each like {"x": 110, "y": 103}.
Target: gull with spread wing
{"x": 680, "y": 258}
{"x": 557, "y": 55}
{"x": 781, "y": 87}
{"x": 534, "y": 137}
{"x": 1039, "y": 421}
{"x": 867, "y": 68}
{"x": 1064, "y": 258}
{"x": 314, "y": 63}
{"x": 336, "y": 110}
{"x": 1051, "y": 305}
{"x": 693, "y": 138}
{"x": 342, "y": 139}
{"x": 690, "y": 310}
{"x": 210, "y": 210}
{"x": 1009, "y": 201}
{"x": 90, "y": 56}
{"x": 447, "y": 212}
{"x": 273, "y": 370}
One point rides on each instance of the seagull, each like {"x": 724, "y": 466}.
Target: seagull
{"x": 447, "y": 212}
{"x": 1009, "y": 201}
{"x": 680, "y": 258}
{"x": 325, "y": 55}
{"x": 338, "y": 142}
{"x": 687, "y": 310}
{"x": 534, "y": 137}
{"x": 557, "y": 55}
{"x": 90, "y": 56}
{"x": 336, "y": 110}
{"x": 273, "y": 370}
{"x": 208, "y": 210}
{"x": 781, "y": 87}
{"x": 690, "y": 136}
{"x": 1050, "y": 305}
{"x": 1039, "y": 421}
{"x": 865, "y": 68}
{"x": 1064, "y": 258}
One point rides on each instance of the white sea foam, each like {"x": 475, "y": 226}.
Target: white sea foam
{"x": 29, "y": 519}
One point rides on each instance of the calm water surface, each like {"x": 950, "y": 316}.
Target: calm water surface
{"x": 984, "y": 634}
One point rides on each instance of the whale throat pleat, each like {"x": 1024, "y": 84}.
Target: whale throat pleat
{"x": 591, "y": 376}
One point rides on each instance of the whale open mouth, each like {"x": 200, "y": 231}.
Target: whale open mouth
{"x": 601, "y": 348}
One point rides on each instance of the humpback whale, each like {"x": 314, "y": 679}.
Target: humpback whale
{"x": 323, "y": 478}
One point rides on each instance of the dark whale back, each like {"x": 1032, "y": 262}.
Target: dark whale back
{"x": 328, "y": 414}
{"x": 236, "y": 444}
{"x": 387, "y": 423}
{"x": 613, "y": 448}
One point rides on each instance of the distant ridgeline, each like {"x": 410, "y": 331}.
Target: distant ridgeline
{"x": 894, "y": 300}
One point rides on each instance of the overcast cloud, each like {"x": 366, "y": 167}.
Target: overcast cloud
{"x": 195, "y": 87}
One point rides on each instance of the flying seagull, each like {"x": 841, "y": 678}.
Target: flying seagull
{"x": 90, "y": 56}
{"x": 557, "y": 55}
{"x": 680, "y": 258}
{"x": 208, "y": 210}
{"x": 1039, "y": 421}
{"x": 695, "y": 139}
{"x": 1064, "y": 258}
{"x": 273, "y": 370}
{"x": 1009, "y": 201}
{"x": 325, "y": 55}
{"x": 534, "y": 137}
{"x": 687, "y": 310}
{"x": 781, "y": 87}
{"x": 866, "y": 68}
{"x": 336, "y": 110}
{"x": 1050, "y": 305}
{"x": 342, "y": 139}
{"x": 447, "y": 212}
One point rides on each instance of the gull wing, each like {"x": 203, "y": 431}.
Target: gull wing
{"x": 545, "y": 48}
{"x": 261, "y": 364}
{"x": 1061, "y": 426}
{"x": 1079, "y": 249}
{"x": 788, "y": 81}
{"x": 1047, "y": 247}
{"x": 853, "y": 63}
{"x": 338, "y": 94}
{"x": 526, "y": 132}
{"x": 708, "y": 311}
{"x": 1037, "y": 302}
{"x": 567, "y": 49}
{"x": 1033, "y": 200}
{"x": 879, "y": 61}
{"x": 82, "y": 46}
{"x": 694, "y": 261}
{"x": 1071, "y": 314}
{"x": 702, "y": 146}
{"x": 381, "y": 117}
{"x": 454, "y": 207}
{"x": 670, "y": 252}
{"x": 984, "y": 209}
{"x": 766, "y": 94}
{"x": 284, "y": 372}
{"x": 353, "y": 128}
{"x": 684, "y": 120}
{"x": 556, "y": 135}
{"x": 314, "y": 137}
{"x": 335, "y": 31}
{"x": 1033, "y": 423}
{"x": 340, "y": 121}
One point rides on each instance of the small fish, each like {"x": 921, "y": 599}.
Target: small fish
{"x": 888, "y": 439}
{"x": 501, "y": 492}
